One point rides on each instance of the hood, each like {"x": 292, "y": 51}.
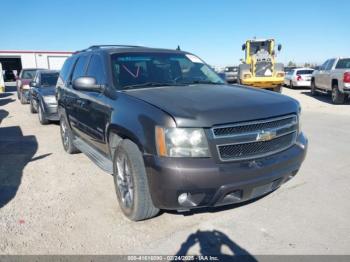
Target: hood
{"x": 47, "y": 91}
{"x": 25, "y": 81}
{"x": 209, "y": 105}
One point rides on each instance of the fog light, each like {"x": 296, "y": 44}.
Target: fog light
{"x": 182, "y": 198}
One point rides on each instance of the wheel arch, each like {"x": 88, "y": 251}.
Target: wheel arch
{"x": 116, "y": 134}
{"x": 334, "y": 82}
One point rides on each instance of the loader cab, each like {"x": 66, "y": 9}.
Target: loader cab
{"x": 253, "y": 47}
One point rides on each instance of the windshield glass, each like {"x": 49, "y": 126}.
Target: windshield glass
{"x": 28, "y": 74}
{"x": 140, "y": 70}
{"x": 343, "y": 64}
{"x": 48, "y": 79}
{"x": 259, "y": 46}
{"x": 231, "y": 69}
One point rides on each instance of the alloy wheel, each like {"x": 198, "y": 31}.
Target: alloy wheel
{"x": 124, "y": 181}
{"x": 64, "y": 134}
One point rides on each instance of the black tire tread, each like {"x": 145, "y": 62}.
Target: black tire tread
{"x": 340, "y": 98}
{"x": 43, "y": 119}
{"x": 143, "y": 207}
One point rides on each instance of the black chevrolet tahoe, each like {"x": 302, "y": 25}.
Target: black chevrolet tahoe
{"x": 173, "y": 134}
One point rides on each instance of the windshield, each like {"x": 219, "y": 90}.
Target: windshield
{"x": 48, "y": 79}
{"x": 28, "y": 74}
{"x": 259, "y": 46}
{"x": 343, "y": 64}
{"x": 140, "y": 70}
{"x": 231, "y": 69}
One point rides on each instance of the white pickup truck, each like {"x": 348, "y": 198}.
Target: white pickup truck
{"x": 332, "y": 77}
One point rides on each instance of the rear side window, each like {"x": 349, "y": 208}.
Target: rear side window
{"x": 305, "y": 72}
{"x": 67, "y": 66}
{"x": 96, "y": 69}
{"x": 343, "y": 64}
{"x": 80, "y": 67}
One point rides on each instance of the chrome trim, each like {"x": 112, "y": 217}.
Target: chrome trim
{"x": 251, "y": 137}
{"x": 254, "y": 123}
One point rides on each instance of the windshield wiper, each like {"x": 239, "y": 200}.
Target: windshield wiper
{"x": 204, "y": 82}
{"x": 149, "y": 84}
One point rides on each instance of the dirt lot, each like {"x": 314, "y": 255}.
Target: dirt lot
{"x": 55, "y": 203}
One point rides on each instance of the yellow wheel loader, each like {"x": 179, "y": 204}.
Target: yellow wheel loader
{"x": 2, "y": 83}
{"x": 259, "y": 69}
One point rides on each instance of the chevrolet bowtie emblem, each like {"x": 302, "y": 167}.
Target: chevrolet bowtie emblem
{"x": 266, "y": 135}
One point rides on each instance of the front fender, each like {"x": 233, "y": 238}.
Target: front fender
{"x": 136, "y": 120}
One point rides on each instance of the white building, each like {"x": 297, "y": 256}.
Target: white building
{"x": 16, "y": 60}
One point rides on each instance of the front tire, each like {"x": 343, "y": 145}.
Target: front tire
{"x": 32, "y": 109}
{"x": 42, "y": 119}
{"x": 22, "y": 98}
{"x": 337, "y": 97}
{"x": 67, "y": 137}
{"x": 131, "y": 183}
{"x": 313, "y": 89}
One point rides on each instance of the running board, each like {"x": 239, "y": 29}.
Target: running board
{"x": 99, "y": 159}
{"x": 322, "y": 91}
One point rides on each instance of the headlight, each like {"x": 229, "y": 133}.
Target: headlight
{"x": 247, "y": 76}
{"x": 182, "y": 142}
{"x": 25, "y": 87}
{"x": 50, "y": 99}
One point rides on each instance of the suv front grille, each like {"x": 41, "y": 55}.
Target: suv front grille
{"x": 247, "y": 150}
{"x": 255, "y": 139}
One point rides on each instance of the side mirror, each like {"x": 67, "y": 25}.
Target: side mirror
{"x": 33, "y": 84}
{"x": 279, "y": 47}
{"x": 243, "y": 47}
{"x": 87, "y": 83}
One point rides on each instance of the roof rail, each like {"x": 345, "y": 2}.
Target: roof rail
{"x": 93, "y": 47}
{"x": 106, "y": 46}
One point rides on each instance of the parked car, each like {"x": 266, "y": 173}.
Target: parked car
{"x": 22, "y": 83}
{"x": 333, "y": 77}
{"x": 231, "y": 74}
{"x": 42, "y": 97}
{"x": 299, "y": 77}
{"x": 172, "y": 133}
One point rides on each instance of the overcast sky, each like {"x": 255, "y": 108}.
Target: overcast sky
{"x": 310, "y": 31}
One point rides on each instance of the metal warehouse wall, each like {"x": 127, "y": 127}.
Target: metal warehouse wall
{"x": 38, "y": 59}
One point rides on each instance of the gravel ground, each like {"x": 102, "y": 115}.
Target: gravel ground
{"x": 55, "y": 203}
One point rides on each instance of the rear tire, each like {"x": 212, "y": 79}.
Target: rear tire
{"x": 67, "y": 137}
{"x": 337, "y": 97}
{"x": 131, "y": 183}
{"x": 291, "y": 85}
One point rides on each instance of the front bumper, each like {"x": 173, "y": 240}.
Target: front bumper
{"x": 26, "y": 94}
{"x": 50, "y": 112}
{"x": 208, "y": 183}
{"x": 263, "y": 82}
{"x": 302, "y": 83}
